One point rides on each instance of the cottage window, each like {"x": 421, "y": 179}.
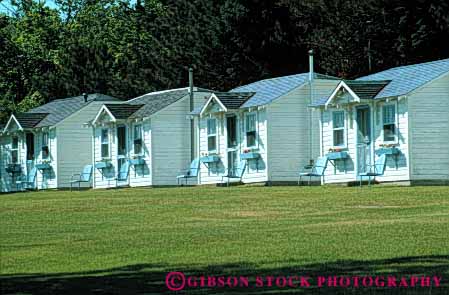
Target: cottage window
{"x": 338, "y": 125}
{"x": 104, "y": 143}
{"x": 14, "y": 150}
{"x": 251, "y": 130}
{"x": 45, "y": 149}
{"x": 138, "y": 139}
{"x": 389, "y": 122}
{"x": 212, "y": 135}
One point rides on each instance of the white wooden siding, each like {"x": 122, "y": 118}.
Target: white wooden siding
{"x": 171, "y": 142}
{"x": 47, "y": 179}
{"x": 166, "y": 144}
{"x": 105, "y": 178}
{"x": 395, "y": 171}
{"x": 256, "y": 171}
{"x": 140, "y": 175}
{"x": 75, "y": 143}
{"x": 430, "y": 131}
{"x": 289, "y": 139}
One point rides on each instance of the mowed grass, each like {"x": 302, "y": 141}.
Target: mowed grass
{"x": 230, "y": 230}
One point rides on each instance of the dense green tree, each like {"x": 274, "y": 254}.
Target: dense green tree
{"x": 125, "y": 50}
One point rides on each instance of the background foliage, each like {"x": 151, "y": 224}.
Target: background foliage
{"x": 124, "y": 50}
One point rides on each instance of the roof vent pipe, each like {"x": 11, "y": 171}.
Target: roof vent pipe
{"x": 311, "y": 77}
{"x": 191, "y": 88}
{"x": 311, "y": 74}
{"x": 192, "y": 124}
{"x": 85, "y": 97}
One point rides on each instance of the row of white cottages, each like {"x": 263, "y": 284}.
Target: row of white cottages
{"x": 276, "y": 126}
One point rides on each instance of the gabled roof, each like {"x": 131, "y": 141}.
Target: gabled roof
{"x": 122, "y": 111}
{"x": 233, "y": 100}
{"x": 30, "y": 120}
{"x": 405, "y": 79}
{"x": 59, "y": 109}
{"x": 226, "y": 100}
{"x": 366, "y": 89}
{"x": 358, "y": 90}
{"x": 156, "y": 101}
{"x": 270, "y": 89}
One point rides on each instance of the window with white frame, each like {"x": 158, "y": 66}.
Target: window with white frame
{"x": 105, "y": 143}
{"x": 251, "y": 130}
{"x": 389, "y": 122}
{"x": 137, "y": 139}
{"x": 212, "y": 135}
{"x": 45, "y": 148}
{"x": 14, "y": 150}
{"x": 338, "y": 126}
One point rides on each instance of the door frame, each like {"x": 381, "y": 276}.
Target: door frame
{"x": 125, "y": 155}
{"x": 236, "y": 148}
{"x": 371, "y": 134}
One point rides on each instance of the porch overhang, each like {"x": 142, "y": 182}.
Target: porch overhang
{"x": 224, "y": 102}
{"x": 12, "y": 120}
{"x": 351, "y": 92}
{"x": 340, "y": 91}
{"x": 104, "y": 110}
{"x": 24, "y": 122}
{"x": 211, "y": 100}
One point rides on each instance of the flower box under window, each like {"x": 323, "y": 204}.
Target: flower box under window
{"x": 43, "y": 166}
{"x": 210, "y": 159}
{"x": 388, "y": 151}
{"x": 13, "y": 169}
{"x": 337, "y": 155}
{"x": 137, "y": 161}
{"x": 249, "y": 156}
{"x": 103, "y": 165}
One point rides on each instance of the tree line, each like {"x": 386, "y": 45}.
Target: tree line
{"x": 125, "y": 50}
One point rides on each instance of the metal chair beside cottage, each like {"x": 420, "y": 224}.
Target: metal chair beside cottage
{"x": 378, "y": 169}
{"x": 192, "y": 172}
{"x": 123, "y": 173}
{"x": 29, "y": 181}
{"x": 317, "y": 170}
{"x": 238, "y": 174}
{"x": 79, "y": 178}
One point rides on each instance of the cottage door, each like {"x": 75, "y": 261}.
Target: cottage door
{"x": 29, "y": 141}
{"x": 121, "y": 146}
{"x": 363, "y": 138}
{"x": 232, "y": 143}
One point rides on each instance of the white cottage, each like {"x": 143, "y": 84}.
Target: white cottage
{"x": 145, "y": 141}
{"x": 50, "y": 137}
{"x": 267, "y": 124}
{"x": 400, "y": 112}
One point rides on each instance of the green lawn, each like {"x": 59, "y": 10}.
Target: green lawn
{"x": 125, "y": 241}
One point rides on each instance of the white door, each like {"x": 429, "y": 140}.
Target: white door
{"x": 364, "y": 139}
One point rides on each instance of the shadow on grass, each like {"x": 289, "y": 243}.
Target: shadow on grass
{"x": 150, "y": 279}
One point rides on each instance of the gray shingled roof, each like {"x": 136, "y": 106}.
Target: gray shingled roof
{"x": 233, "y": 100}
{"x": 30, "y": 120}
{"x": 402, "y": 80}
{"x": 408, "y": 78}
{"x": 363, "y": 89}
{"x": 122, "y": 111}
{"x": 366, "y": 89}
{"x": 155, "y": 102}
{"x": 59, "y": 109}
{"x": 270, "y": 89}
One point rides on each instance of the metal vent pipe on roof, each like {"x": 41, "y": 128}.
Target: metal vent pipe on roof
{"x": 311, "y": 78}
{"x": 85, "y": 95}
{"x": 192, "y": 124}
